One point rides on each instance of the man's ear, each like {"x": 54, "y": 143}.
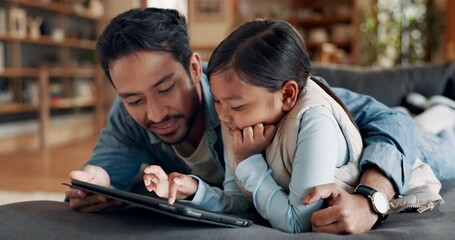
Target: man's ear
{"x": 195, "y": 67}
{"x": 289, "y": 94}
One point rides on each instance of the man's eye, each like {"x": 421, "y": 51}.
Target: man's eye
{"x": 167, "y": 89}
{"x": 237, "y": 108}
{"x": 132, "y": 103}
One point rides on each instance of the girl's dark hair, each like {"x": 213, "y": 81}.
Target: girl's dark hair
{"x": 144, "y": 29}
{"x": 266, "y": 53}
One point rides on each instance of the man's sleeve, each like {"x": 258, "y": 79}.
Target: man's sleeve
{"x": 120, "y": 149}
{"x": 390, "y": 137}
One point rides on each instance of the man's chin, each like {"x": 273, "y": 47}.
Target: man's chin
{"x": 172, "y": 139}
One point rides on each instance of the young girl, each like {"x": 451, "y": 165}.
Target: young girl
{"x": 284, "y": 131}
{"x": 260, "y": 78}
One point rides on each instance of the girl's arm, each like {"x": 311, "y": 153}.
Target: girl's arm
{"x": 230, "y": 199}
{"x": 320, "y": 146}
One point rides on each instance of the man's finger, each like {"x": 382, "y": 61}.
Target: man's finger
{"x": 98, "y": 207}
{"x": 335, "y": 228}
{"x": 91, "y": 199}
{"x": 80, "y": 175}
{"x": 75, "y": 193}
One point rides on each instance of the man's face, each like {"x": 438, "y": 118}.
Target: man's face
{"x": 158, "y": 93}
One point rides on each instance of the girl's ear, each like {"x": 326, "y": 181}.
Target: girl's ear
{"x": 290, "y": 93}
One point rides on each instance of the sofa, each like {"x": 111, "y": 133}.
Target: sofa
{"x": 56, "y": 220}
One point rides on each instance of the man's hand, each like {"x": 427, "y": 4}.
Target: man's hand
{"x": 346, "y": 213}
{"x": 89, "y": 203}
{"x": 175, "y": 186}
{"x": 252, "y": 140}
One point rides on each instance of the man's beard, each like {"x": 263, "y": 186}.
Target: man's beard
{"x": 167, "y": 139}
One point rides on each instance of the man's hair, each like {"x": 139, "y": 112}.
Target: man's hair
{"x": 144, "y": 29}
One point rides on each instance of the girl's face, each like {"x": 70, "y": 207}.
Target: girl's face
{"x": 240, "y": 104}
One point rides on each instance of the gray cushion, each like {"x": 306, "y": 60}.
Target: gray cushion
{"x": 390, "y": 85}
{"x": 56, "y": 220}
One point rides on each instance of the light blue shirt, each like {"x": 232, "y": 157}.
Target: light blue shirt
{"x": 321, "y": 147}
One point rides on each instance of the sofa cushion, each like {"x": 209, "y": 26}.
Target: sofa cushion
{"x": 390, "y": 85}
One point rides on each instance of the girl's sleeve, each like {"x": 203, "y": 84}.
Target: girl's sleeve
{"x": 315, "y": 161}
{"x": 230, "y": 199}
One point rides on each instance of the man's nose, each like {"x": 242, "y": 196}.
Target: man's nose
{"x": 156, "y": 111}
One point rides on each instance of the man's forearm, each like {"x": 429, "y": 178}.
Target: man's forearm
{"x": 375, "y": 178}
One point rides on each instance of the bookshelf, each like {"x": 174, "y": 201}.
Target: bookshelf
{"x": 53, "y": 70}
{"x": 327, "y": 26}
{"x": 327, "y": 23}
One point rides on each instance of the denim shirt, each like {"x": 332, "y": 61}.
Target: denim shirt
{"x": 124, "y": 145}
{"x": 390, "y": 138}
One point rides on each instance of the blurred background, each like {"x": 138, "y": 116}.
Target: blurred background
{"x": 54, "y": 98}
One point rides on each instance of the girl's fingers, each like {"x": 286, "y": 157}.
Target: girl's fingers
{"x": 258, "y": 131}
{"x": 248, "y": 135}
{"x": 174, "y": 185}
{"x": 157, "y": 171}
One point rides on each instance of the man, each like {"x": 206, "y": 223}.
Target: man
{"x": 165, "y": 116}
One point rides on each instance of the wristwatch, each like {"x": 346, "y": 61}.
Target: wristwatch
{"x": 377, "y": 199}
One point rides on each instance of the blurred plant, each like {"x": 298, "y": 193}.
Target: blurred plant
{"x": 399, "y": 32}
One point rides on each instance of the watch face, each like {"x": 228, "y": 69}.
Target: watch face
{"x": 380, "y": 202}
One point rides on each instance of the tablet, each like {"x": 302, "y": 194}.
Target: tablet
{"x": 160, "y": 205}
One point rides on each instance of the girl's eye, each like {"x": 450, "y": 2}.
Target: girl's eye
{"x": 167, "y": 89}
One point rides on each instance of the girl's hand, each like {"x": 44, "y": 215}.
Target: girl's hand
{"x": 155, "y": 179}
{"x": 181, "y": 186}
{"x": 175, "y": 186}
{"x": 252, "y": 140}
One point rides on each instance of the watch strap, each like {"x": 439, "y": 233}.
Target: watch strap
{"x": 368, "y": 192}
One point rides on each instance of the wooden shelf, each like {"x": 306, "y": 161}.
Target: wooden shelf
{"x": 52, "y": 72}
{"x": 72, "y": 72}
{"x": 19, "y": 72}
{"x": 325, "y": 21}
{"x": 56, "y": 7}
{"x": 59, "y": 63}
{"x": 46, "y": 40}
{"x": 72, "y": 103}
{"x": 10, "y": 108}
